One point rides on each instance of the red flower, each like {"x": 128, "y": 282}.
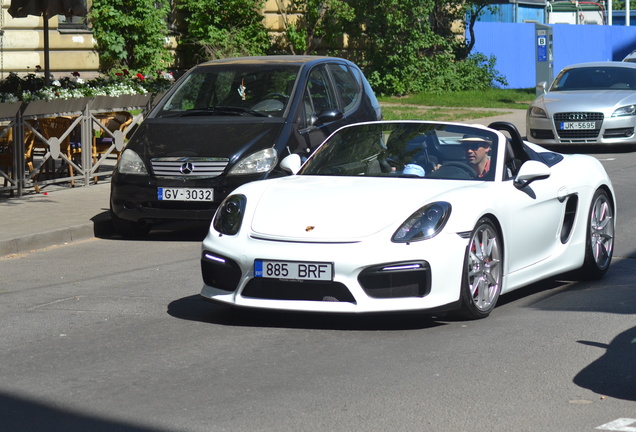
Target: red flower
{"x": 140, "y": 76}
{"x": 125, "y": 71}
{"x": 75, "y": 74}
{"x": 38, "y": 67}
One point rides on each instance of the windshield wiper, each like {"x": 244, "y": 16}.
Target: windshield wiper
{"x": 223, "y": 110}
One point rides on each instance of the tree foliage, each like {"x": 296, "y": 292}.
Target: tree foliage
{"x": 224, "y": 28}
{"x": 473, "y": 11}
{"x": 411, "y": 46}
{"x": 403, "y": 46}
{"x": 310, "y": 25}
{"x": 131, "y": 34}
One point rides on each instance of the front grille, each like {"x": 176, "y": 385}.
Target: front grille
{"x": 275, "y": 289}
{"x": 397, "y": 280}
{"x": 194, "y": 167}
{"x": 578, "y": 117}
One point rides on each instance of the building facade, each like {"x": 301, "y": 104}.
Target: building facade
{"x": 72, "y": 46}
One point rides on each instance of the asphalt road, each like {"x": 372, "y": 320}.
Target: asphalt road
{"x": 111, "y": 335}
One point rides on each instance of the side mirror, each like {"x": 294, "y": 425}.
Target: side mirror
{"x": 328, "y": 116}
{"x": 291, "y": 164}
{"x": 542, "y": 87}
{"x": 530, "y": 171}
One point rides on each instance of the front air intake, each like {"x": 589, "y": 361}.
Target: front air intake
{"x": 397, "y": 280}
{"x": 220, "y": 272}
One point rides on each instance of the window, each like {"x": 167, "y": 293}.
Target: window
{"x": 346, "y": 86}
{"x": 318, "y": 94}
{"x": 73, "y": 22}
{"x": 254, "y": 87}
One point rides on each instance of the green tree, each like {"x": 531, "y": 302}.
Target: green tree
{"x": 472, "y": 11}
{"x": 410, "y": 46}
{"x": 404, "y": 46}
{"x": 311, "y": 25}
{"x": 131, "y": 34}
{"x": 398, "y": 39}
{"x": 224, "y": 28}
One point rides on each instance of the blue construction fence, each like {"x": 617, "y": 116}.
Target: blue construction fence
{"x": 513, "y": 45}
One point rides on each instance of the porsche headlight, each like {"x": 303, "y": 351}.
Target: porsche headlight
{"x": 628, "y": 110}
{"x": 131, "y": 163}
{"x": 535, "y": 111}
{"x": 425, "y": 223}
{"x": 260, "y": 162}
{"x": 229, "y": 216}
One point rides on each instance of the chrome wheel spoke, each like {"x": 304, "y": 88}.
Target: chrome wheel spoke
{"x": 482, "y": 294}
{"x": 601, "y": 231}
{"x": 483, "y": 268}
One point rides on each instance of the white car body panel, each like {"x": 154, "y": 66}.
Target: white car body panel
{"x": 349, "y": 221}
{"x": 285, "y": 211}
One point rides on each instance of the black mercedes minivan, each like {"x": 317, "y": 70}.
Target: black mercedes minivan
{"x": 228, "y": 122}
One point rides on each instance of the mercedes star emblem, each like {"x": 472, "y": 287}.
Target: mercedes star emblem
{"x": 187, "y": 168}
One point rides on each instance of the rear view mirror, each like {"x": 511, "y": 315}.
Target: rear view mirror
{"x": 542, "y": 87}
{"x": 328, "y": 116}
{"x": 531, "y": 171}
{"x": 291, "y": 164}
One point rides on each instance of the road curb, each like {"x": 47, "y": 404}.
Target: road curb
{"x": 98, "y": 226}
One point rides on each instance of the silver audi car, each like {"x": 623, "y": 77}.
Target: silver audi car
{"x": 587, "y": 103}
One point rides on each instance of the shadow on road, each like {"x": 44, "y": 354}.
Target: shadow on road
{"x": 194, "y": 231}
{"x": 19, "y": 414}
{"x": 614, "y": 373}
{"x": 614, "y": 294}
{"x": 195, "y": 308}
{"x": 590, "y": 149}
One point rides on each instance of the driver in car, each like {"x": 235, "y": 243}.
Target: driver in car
{"x": 478, "y": 154}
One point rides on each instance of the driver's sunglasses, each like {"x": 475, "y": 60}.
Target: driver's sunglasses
{"x": 475, "y": 146}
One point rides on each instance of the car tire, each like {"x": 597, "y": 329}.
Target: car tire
{"x": 129, "y": 229}
{"x": 599, "y": 242}
{"x": 483, "y": 271}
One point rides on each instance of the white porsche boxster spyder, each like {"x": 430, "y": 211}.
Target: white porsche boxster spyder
{"x": 410, "y": 215}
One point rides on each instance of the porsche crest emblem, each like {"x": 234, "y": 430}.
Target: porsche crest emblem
{"x": 310, "y": 228}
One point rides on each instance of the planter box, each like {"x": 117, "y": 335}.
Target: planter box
{"x": 8, "y": 110}
{"x": 119, "y": 103}
{"x": 55, "y": 108}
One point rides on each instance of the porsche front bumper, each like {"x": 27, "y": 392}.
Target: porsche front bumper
{"x": 368, "y": 276}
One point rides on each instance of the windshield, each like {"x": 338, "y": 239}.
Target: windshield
{"x": 231, "y": 90}
{"x": 407, "y": 149}
{"x": 595, "y": 78}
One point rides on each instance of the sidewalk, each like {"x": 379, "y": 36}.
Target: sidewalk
{"x": 55, "y": 216}
{"x": 60, "y": 215}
